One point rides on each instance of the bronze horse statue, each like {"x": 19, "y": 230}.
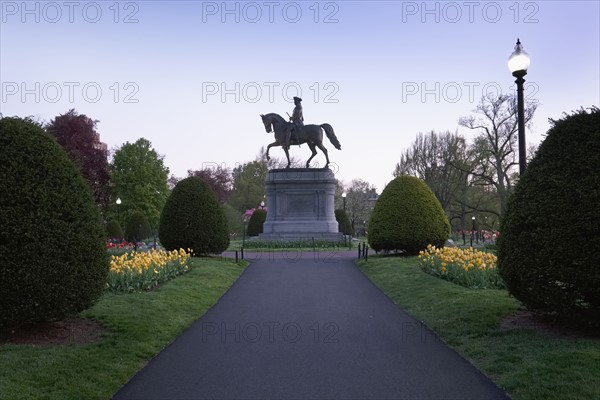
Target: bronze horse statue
{"x": 312, "y": 135}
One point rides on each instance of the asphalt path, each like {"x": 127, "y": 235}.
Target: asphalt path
{"x": 307, "y": 326}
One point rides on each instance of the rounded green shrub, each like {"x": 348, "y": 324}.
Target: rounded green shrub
{"x": 137, "y": 228}
{"x": 52, "y": 240}
{"x": 113, "y": 229}
{"x": 407, "y": 217}
{"x": 193, "y": 218}
{"x": 255, "y": 224}
{"x": 344, "y": 225}
{"x": 549, "y": 244}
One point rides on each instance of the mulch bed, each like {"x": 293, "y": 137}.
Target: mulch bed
{"x": 71, "y": 331}
{"x": 528, "y": 320}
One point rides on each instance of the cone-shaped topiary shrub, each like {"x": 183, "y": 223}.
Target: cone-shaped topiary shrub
{"x": 549, "y": 244}
{"x": 407, "y": 217}
{"x": 192, "y": 218}
{"x": 138, "y": 228}
{"x": 255, "y": 224}
{"x": 344, "y": 225}
{"x": 53, "y": 259}
{"x": 113, "y": 230}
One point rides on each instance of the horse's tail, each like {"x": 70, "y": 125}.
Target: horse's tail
{"x": 331, "y": 136}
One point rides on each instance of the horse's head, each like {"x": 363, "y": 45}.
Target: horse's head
{"x": 267, "y": 122}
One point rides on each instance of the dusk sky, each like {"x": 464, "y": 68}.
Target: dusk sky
{"x": 192, "y": 77}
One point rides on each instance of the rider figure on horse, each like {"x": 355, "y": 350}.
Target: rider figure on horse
{"x": 297, "y": 122}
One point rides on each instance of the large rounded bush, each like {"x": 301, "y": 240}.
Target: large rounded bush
{"x": 407, "y": 217}
{"x": 137, "y": 228}
{"x": 192, "y": 218}
{"x": 53, "y": 259}
{"x": 256, "y": 222}
{"x": 549, "y": 244}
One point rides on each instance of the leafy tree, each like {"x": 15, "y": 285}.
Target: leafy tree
{"x": 360, "y": 200}
{"x": 235, "y": 220}
{"x": 248, "y": 185}
{"x": 493, "y": 151}
{"x": 172, "y": 181}
{"x": 548, "y": 249}
{"x": 113, "y": 229}
{"x": 77, "y": 135}
{"x": 432, "y": 158}
{"x": 256, "y": 222}
{"x": 339, "y": 191}
{"x": 139, "y": 179}
{"x": 137, "y": 228}
{"x": 219, "y": 178}
{"x": 193, "y": 218}
{"x": 344, "y": 225}
{"x": 407, "y": 217}
{"x": 52, "y": 240}
{"x": 442, "y": 162}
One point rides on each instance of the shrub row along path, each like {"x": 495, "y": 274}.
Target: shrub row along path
{"x": 307, "y": 325}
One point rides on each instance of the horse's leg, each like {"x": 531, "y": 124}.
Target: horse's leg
{"x": 314, "y": 152}
{"x": 268, "y": 147}
{"x": 324, "y": 150}
{"x": 287, "y": 155}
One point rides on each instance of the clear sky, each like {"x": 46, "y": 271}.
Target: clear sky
{"x": 192, "y": 76}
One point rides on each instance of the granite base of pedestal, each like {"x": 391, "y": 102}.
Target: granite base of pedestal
{"x": 301, "y": 205}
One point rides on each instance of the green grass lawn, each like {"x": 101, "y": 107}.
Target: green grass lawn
{"x": 140, "y": 325}
{"x": 528, "y": 365}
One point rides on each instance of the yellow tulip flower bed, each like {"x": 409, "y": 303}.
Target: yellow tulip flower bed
{"x": 466, "y": 267}
{"x": 135, "y": 271}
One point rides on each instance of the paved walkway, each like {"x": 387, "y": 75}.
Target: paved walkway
{"x": 300, "y": 326}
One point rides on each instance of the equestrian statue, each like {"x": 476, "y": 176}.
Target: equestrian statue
{"x": 295, "y": 132}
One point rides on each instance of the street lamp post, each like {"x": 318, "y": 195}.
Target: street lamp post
{"x": 118, "y": 210}
{"x": 518, "y": 62}
{"x": 345, "y": 228}
{"x": 473, "y": 229}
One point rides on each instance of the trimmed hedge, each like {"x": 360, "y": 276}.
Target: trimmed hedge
{"x": 192, "y": 218}
{"x": 407, "y": 217}
{"x": 52, "y": 240}
{"x": 256, "y": 222}
{"x": 549, "y": 246}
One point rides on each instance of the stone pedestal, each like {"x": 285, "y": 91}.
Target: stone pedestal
{"x": 300, "y": 205}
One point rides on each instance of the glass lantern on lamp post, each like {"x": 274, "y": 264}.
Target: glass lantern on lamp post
{"x": 518, "y": 63}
